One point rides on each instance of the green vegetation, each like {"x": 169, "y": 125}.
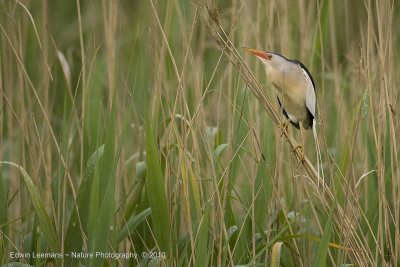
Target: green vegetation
{"x": 135, "y": 126}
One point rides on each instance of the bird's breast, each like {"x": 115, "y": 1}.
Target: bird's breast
{"x": 291, "y": 90}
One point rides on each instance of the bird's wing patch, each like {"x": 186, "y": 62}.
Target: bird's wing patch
{"x": 287, "y": 115}
{"x": 310, "y": 93}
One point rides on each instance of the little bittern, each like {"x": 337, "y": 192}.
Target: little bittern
{"x": 294, "y": 87}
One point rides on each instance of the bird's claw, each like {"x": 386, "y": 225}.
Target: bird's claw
{"x": 284, "y": 127}
{"x": 301, "y": 148}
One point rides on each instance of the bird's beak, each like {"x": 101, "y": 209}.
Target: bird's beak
{"x": 260, "y": 54}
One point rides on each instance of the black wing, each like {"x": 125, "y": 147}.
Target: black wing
{"x": 304, "y": 68}
{"x": 286, "y": 115}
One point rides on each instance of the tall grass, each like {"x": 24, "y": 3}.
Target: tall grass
{"x": 142, "y": 127}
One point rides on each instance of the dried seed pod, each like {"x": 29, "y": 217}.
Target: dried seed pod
{"x": 213, "y": 12}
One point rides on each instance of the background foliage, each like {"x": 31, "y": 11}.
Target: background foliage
{"x": 124, "y": 129}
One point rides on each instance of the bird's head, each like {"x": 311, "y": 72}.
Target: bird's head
{"x": 270, "y": 59}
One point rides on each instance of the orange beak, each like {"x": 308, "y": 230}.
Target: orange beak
{"x": 260, "y": 54}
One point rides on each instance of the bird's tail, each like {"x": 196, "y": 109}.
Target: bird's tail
{"x": 319, "y": 159}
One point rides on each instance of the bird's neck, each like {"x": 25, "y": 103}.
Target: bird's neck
{"x": 281, "y": 79}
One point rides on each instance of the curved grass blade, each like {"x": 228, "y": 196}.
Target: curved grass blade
{"x": 276, "y": 254}
{"x": 44, "y": 220}
{"x": 132, "y": 223}
{"x": 277, "y": 251}
{"x": 314, "y": 238}
{"x": 266, "y": 246}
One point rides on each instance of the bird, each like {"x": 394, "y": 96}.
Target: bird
{"x": 295, "y": 89}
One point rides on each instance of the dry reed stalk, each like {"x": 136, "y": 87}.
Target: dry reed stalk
{"x": 359, "y": 253}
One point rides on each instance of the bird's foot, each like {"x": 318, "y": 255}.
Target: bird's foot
{"x": 284, "y": 127}
{"x": 302, "y": 156}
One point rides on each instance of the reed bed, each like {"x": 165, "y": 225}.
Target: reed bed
{"x": 140, "y": 133}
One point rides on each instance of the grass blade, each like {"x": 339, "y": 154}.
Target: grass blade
{"x": 106, "y": 178}
{"x": 276, "y": 254}
{"x": 45, "y": 223}
{"x": 74, "y": 236}
{"x": 156, "y": 192}
{"x": 320, "y": 259}
{"x": 132, "y": 203}
{"x": 201, "y": 258}
{"x": 132, "y": 223}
